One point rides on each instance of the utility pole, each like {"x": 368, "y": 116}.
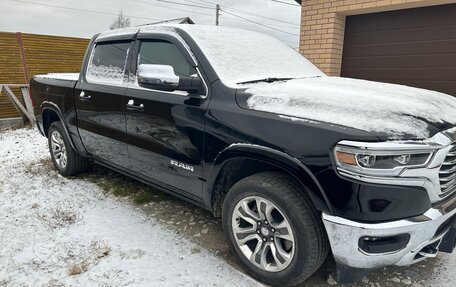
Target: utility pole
{"x": 217, "y": 14}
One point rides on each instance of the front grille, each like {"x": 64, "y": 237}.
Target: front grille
{"x": 447, "y": 173}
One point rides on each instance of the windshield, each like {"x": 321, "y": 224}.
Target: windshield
{"x": 239, "y": 56}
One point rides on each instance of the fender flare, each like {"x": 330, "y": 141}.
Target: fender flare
{"x": 274, "y": 157}
{"x": 53, "y": 107}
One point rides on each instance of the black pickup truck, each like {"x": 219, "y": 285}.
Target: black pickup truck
{"x": 298, "y": 164}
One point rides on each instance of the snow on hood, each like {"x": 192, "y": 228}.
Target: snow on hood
{"x": 395, "y": 110}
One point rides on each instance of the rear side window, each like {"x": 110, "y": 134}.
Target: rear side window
{"x": 107, "y": 63}
{"x": 165, "y": 53}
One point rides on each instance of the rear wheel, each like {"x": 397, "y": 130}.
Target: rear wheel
{"x": 274, "y": 229}
{"x": 67, "y": 161}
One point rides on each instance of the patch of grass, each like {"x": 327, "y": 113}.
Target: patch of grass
{"x": 195, "y": 250}
{"x": 143, "y": 197}
{"x": 39, "y": 167}
{"x": 56, "y": 217}
{"x": 89, "y": 257}
{"x": 122, "y": 186}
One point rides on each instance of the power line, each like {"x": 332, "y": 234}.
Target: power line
{"x": 228, "y": 17}
{"x": 260, "y": 16}
{"x": 173, "y": 8}
{"x": 84, "y": 10}
{"x": 260, "y": 24}
{"x": 196, "y": 2}
{"x": 283, "y": 2}
{"x": 185, "y": 4}
{"x": 249, "y": 13}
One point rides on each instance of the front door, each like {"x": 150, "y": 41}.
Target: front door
{"x": 165, "y": 129}
{"x": 99, "y": 103}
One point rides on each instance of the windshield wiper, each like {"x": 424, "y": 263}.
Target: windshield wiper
{"x": 266, "y": 80}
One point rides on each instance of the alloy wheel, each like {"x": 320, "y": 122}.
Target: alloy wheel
{"x": 263, "y": 234}
{"x": 58, "y": 149}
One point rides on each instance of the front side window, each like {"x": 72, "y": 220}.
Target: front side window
{"x": 107, "y": 63}
{"x": 165, "y": 53}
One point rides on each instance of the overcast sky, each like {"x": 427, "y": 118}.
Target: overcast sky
{"x": 24, "y": 16}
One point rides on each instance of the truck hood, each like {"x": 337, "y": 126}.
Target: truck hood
{"x": 391, "y": 112}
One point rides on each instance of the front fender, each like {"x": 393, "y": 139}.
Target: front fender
{"x": 274, "y": 157}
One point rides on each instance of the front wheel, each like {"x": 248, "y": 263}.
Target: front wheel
{"x": 274, "y": 229}
{"x": 67, "y": 161}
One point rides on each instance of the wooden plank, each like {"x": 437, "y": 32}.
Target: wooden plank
{"x": 13, "y": 98}
{"x": 27, "y": 99}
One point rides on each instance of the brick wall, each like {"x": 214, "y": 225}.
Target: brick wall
{"x": 42, "y": 54}
{"x": 323, "y": 25}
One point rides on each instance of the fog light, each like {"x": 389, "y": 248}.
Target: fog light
{"x": 377, "y": 245}
{"x": 378, "y": 205}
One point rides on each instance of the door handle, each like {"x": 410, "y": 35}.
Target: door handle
{"x": 132, "y": 107}
{"x": 84, "y": 97}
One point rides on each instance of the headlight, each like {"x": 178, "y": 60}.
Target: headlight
{"x": 381, "y": 159}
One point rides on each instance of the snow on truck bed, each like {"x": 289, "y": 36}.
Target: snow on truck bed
{"x": 60, "y": 76}
{"x": 52, "y": 226}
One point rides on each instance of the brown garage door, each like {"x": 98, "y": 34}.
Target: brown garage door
{"x": 415, "y": 47}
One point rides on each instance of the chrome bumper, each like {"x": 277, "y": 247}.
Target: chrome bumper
{"x": 344, "y": 237}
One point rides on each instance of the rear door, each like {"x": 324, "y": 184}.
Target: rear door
{"x": 99, "y": 103}
{"x": 165, "y": 136}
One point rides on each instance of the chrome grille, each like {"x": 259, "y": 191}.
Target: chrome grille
{"x": 447, "y": 173}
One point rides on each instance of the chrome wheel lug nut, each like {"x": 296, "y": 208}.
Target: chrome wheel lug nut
{"x": 258, "y": 231}
{"x": 264, "y": 239}
{"x": 266, "y": 223}
{"x": 259, "y": 222}
{"x": 272, "y": 238}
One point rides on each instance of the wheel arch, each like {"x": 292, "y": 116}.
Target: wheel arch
{"x": 51, "y": 113}
{"x": 253, "y": 159}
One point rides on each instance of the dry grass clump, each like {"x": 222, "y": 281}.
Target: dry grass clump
{"x": 57, "y": 217}
{"x": 93, "y": 255}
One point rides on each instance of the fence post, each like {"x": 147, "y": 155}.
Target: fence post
{"x": 23, "y": 57}
{"x": 24, "y": 62}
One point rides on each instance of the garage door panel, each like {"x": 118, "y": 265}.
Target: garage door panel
{"x": 444, "y": 87}
{"x": 404, "y": 36}
{"x": 415, "y": 47}
{"x": 425, "y": 74}
{"x": 429, "y": 48}
{"x": 402, "y": 61}
{"x": 428, "y": 17}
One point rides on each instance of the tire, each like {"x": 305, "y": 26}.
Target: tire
{"x": 285, "y": 202}
{"x": 66, "y": 160}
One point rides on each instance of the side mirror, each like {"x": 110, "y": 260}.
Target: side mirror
{"x": 163, "y": 78}
{"x": 159, "y": 77}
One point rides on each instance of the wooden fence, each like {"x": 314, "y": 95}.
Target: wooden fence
{"x": 24, "y": 55}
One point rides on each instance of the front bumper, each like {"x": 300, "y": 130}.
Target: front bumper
{"x": 425, "y": 233}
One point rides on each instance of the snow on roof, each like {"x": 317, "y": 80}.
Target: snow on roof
{"x": 237, "y": 55}
{"x": 395, "y": 110}
{"x": 181, "y": 20}
{"x": 119, "y": 32}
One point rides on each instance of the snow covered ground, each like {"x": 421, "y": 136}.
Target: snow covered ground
{"x": 56, "y": 231}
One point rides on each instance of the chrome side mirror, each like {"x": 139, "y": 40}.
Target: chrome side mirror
{"x": 160, "y": 77}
